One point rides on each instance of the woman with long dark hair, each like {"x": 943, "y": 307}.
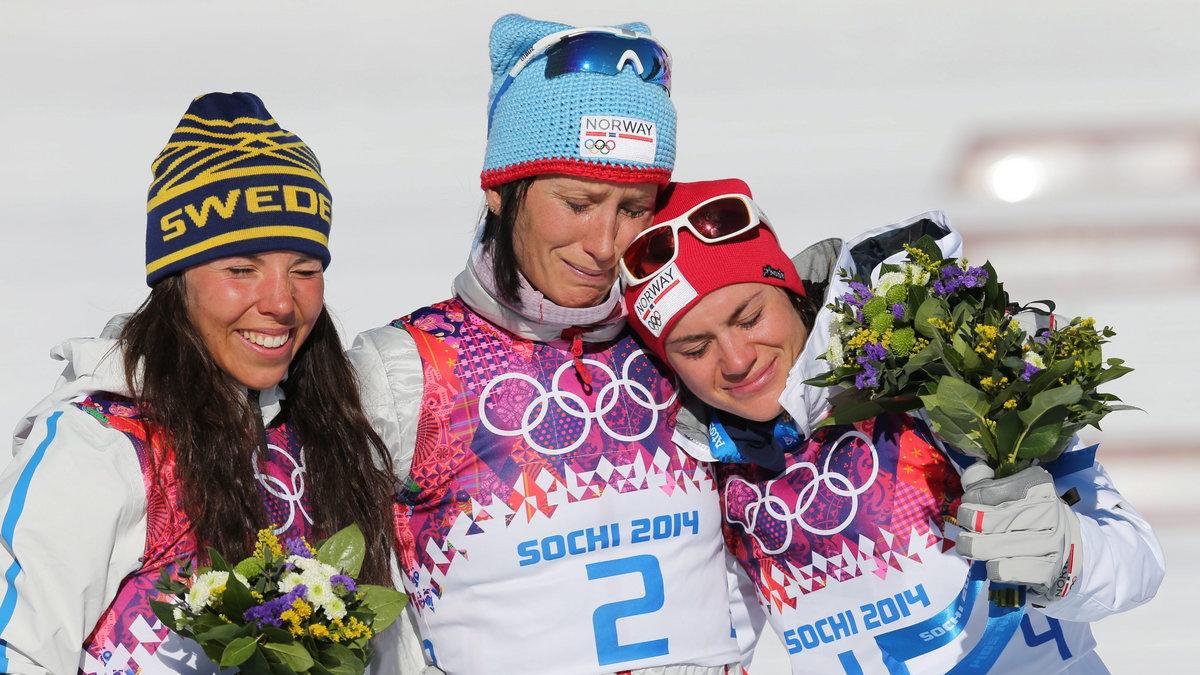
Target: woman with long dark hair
{"x": 224, "y": 405}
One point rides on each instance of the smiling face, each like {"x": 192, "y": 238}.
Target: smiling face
{"x": 254, "y": 312}
{"x": 734, "y": 348}
{"x": 570, "y": 233}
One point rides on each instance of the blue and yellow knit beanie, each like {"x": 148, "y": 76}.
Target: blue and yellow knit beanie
{"x": 540, "y": 125}
{"x": 231, "y": 182}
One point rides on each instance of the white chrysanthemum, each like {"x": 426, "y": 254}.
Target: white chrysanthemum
{"x": 887, "y": 281}
{"x": 835, "y": 355}
{"x": 320, "y": 590}
{"x": 915, "y": 274}
{"x": 178, "y": 614}
{"x": 290, "y": 581}
{"x": 303, "y": 563}
{"x": 1034, "y": 360}
{"x": 202, "y": 589}
{"x": 335, "y": 608}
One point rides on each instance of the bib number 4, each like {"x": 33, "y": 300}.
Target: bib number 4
{"x": 609, "y": 649}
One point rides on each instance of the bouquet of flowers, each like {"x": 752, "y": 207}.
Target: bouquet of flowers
{"x": 941, "y": 335}
{"x": 287, "y": 609}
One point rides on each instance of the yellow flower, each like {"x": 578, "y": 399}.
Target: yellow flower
{"x": 941, "y": 324}
{"x": 267, "y": 541}
{"x": 991, "y": 384}
{"x": 1010, "y": 403}
{"x": 318, "y": 631}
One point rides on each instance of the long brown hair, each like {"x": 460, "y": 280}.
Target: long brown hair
{"x": 206, "y": 417}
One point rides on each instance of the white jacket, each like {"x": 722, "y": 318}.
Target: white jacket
{"x": 73, "y": 504}
{"x": 1123, "y": 563}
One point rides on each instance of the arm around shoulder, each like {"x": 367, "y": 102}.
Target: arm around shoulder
{"x": 392, "y": 384}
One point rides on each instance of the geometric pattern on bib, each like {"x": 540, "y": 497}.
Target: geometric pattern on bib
{"x": 507, "y": 430}
{"x": 128, "y": 635}
{"x": 870, "y": 498}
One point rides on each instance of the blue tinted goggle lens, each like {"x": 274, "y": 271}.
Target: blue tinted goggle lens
{"x": 605, "y": 53}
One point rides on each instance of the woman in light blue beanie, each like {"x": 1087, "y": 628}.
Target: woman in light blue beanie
{"x": 548, "y": 523}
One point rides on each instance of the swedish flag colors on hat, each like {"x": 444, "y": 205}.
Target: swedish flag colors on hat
{"x": 232, "y": 182}
{"x": 615, "y": 127}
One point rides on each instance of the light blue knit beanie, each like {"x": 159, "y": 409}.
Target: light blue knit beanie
{"x": 542, "y": 125}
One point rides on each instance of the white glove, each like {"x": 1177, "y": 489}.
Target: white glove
{"x": 1024, "y": 531}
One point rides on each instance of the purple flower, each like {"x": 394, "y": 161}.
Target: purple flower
{"x": 1030, "y": 371}
{"x": 344, "y": 580}
{"x": 940, "y": 288}
{"x": 875, "y": 351}
{"x": 296, "y": 546}
{"x": 862, "y": 290}
{"x": 898, "y": 310}
{"x": 870, "y": 375}
{"x": 269, "y": 611}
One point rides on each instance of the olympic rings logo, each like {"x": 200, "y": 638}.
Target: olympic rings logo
{"x": 600, "y": 146}
{"x": 822, "y": 483}
{"x": 617, "y": 389}
{"x": 290, "y": 492}
{"x": 654, "y": 321}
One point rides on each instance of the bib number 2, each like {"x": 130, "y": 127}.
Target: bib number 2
{"x": 609, "y": 650}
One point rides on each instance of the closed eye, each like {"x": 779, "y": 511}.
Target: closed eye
{"x": 751, "y": 321}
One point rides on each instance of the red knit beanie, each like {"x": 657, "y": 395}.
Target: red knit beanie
{"x": 699, "y": 268}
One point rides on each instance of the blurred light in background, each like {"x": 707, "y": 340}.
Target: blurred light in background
{"x": 1014, "y": 167}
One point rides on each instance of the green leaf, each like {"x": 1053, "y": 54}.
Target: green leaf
{"x": 1043, "y": 436}
{"x": 277, "y": 634}
{"x": 928, "y": 246}
{"x": 237, "y": 651}
{"x": 1008, "y": 433}
{"x": 165, "y": 612}
{"x": 970, "y": 358}
{"x": 333, "y": 654}
{"x": 344, "y": 550}
{"x": 1048, "y": 399}
{"x": 1114, "y": 371}
{"x": 295, "y": 656}
{"x": 236, "y": 599}
{"x": 223, "y": 633}
{"x": 922, "y": 358}
{"x": 284, "y": 669}
{"x": 931, "y": 308}
{"x": 351, "y": 666}
{"x": 318, "y": 668}
{"x": 256, "y": 665}
{"x": 386, "y": 603}
{"x": 218, "y": 562}
{"x": 206, "y": 622}
{"x": 957, "y": 412}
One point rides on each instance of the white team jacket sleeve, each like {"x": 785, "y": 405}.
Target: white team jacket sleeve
{"x": 391, "y": 384}
{"x": 1123, "y": 563}
{"x": 74, "y": 525}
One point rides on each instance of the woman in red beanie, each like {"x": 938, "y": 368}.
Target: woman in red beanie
{"x": 845, "y": 530}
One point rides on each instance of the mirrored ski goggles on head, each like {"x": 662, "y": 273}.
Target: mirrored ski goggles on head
{"x": 712, "y": 221}
{"x": 594, "y": 50}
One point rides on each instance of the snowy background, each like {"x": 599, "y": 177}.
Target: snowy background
{"x": 1063, "y": 138}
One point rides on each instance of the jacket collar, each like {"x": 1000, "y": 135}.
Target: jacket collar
{"x": 535, "y": 317}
